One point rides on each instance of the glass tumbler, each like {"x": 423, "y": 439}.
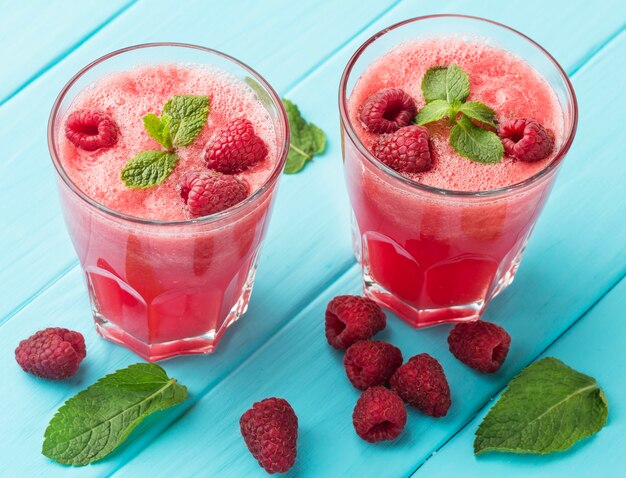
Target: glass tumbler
{"x": 166, "y": 288}
{"x": 433, "y": 255}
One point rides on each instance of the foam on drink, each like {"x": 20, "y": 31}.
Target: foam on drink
{"x": 128, "y": 96}
{"x": 498, "y": 78}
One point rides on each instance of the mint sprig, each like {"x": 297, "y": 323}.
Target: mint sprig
{"x": 179, "y": 125}
{"x": 94, "y": 422}
{"x": 307, "y": 140}
{"x": 149, "y": 168}
{"x": 475, "y": 143}
{"x": 548, "y": 407}
{"x": 445, "y": 90}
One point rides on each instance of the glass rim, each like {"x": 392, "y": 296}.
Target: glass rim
{"x": 269, "y": 182}
{"x": 349, "y": 129}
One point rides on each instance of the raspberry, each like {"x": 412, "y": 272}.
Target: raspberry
{"x": 234, "y": 148}
{"x": 53, "y": 353}
{"x": 480, "y": 345}
{"x": 379, "y": 415}
{"x": 387, "y": 111}
{"x": 270, "y": 430}
{"x": 371, "y": 362}
{"x": 422, "y": 384}
{"x": 406, "y": 151}
{"x": 207, "y": 192}
{"x": 91, "y": 130}
{"x": 525, "y": 139}
{"x": 350, "y": 318}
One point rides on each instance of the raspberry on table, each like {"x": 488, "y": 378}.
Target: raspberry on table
{"x": 379, "y": 415}
{"x": 387, "y": 111}
{"x": 350, "y": 318}
{"x": 480, "y": 345}
{"x": 371, "y": 362}
{"x": 91, "y": 129}
{"x": 54, "y": 353}
{"x": 406, "y": 150}
{"x": 208, "y": 192}
{"x": 422, "y": 383}
{"x": 525, "y": 139}
{"x": 270, "y": 430}
{"x": 234, "y": 148}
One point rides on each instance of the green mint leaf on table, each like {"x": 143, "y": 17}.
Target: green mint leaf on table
{"x": 185, "y": 116}
{"x": 434, "y": 111}
{"x": 307, "y": 140}
{"x": 148, "y": 168}
{"x": 475, "y": 143}
{"x": 479, "y": 111}
{"x": 158, "y": 129}
{"x": 94, "y": 422}
{"x": 548, "y": 407}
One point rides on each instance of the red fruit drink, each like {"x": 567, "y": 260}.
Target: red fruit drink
{"x": 438, "y": 245}
{"x": 163, "y": 281}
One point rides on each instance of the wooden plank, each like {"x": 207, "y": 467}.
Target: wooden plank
{"x": 35, "y": 236}
{"x": 595, "y": 346}
{"x": 307, "y": 248}
{"x": 565, "y": 270}
{"x": 36, "y": 35}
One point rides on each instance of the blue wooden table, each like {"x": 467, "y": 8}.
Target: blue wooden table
{"x": 569, "y": 298}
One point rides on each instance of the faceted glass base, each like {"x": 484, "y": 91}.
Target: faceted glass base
{"x": 155, "y": 351}
{"x": 426, "y": 317}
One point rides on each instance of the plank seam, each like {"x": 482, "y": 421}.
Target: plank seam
{"x": 586, "y": 59}
{"x": 545, "y": 349}
{"x": 64, "y": 54}
{"x": 289, "y": 89}
{"x": 314, "y": 295}
{"x": 291, "y": 86}
{"x": 303, "y": 308}
{"x": 22, "y": 305}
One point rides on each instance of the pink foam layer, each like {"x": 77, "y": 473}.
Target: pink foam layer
{"x": 129, "y": 95}
{"x": 499, "y": 79}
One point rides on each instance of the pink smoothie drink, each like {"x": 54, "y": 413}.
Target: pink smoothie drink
{"x": 437, "y": 246}
{"x": 163, "y": 281}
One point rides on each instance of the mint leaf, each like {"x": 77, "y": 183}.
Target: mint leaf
{"x": 307, "y": 140}
{"x": 434, "y": 84}
{"x": 148, "y": 168}
{"x": 479, "y": 111}
{"x": 158, "y": 129}
{"x": 475, "y": 143}
{"x": 94, "y": 422}
{"x": 548, "y": 407}
{"x": 434, "y": 111}
{"x": 457, "y": 85}
{"x": 185, "y": 116}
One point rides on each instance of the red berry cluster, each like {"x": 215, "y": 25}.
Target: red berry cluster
{"x": 405, "y": 147}
{"x": 230, "y": 150}
{"x": 402, "y": 146}
{"x": 374, "y": 365}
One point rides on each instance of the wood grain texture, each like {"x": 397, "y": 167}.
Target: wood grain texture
{"x": 37, "y": 34}
{"x": 39, "y": 249}
{"x": 595, "y": 346}
{"x": 278, "y": 348}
